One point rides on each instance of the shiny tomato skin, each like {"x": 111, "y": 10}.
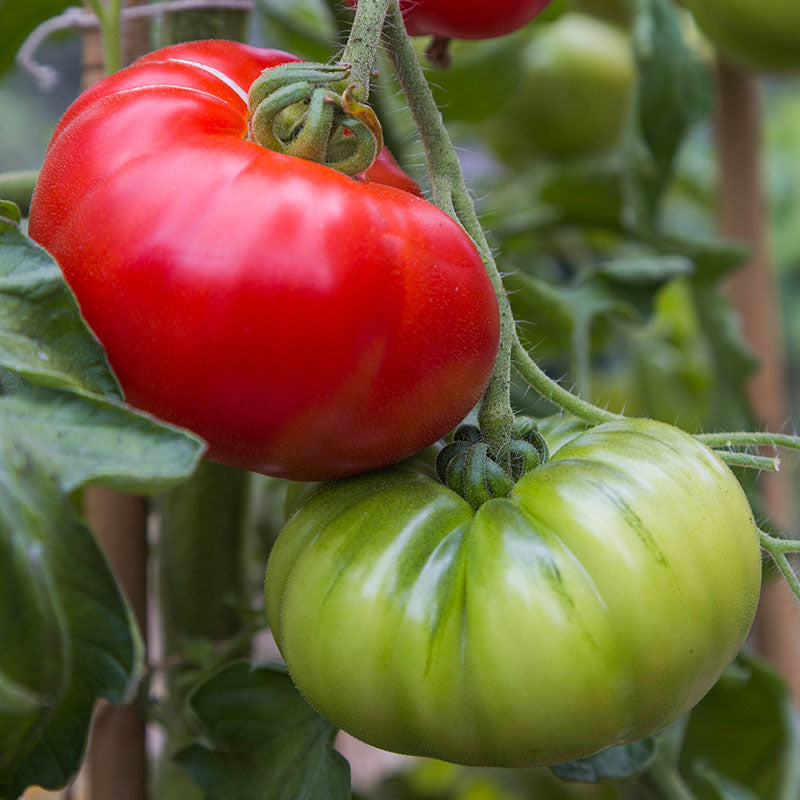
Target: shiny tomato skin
{"x": 306, "y": 324}
{"x": 467, "y": 19}
{"x": 594, "y": 606}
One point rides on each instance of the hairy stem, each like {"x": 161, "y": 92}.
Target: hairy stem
{"x": 550, "y": 390}
{"x": 362, "y": 44}
{"x": 743, "y": 438}
{"x": 450, "y": 193}
{"x": 777, "y": 549}
{"x": 734, "y": 459}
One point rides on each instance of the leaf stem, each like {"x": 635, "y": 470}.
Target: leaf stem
{"x": 550, "y": 390}
{"x": 741, "y": 438}
{"x": 735, "y": 459}
{"x": 450, "y": 193}
{"x": 362, "y": 44}
{"x": 777, "y": 549}
{"x": 109, "y": 16}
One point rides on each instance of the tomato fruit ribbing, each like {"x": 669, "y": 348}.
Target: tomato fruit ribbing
{"x": 595, "y": 605}
{"x": 306, "y": 324}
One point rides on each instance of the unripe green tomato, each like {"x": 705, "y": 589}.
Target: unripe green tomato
{"x": 594, "y": 606}
{"x": 764, "y": 34}
{"x": 576, "y": 79}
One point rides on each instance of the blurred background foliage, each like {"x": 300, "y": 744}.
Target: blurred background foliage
{"x": 600, "y": 203}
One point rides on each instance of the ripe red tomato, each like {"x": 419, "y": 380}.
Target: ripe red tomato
{"x": 467, "y": 19}
{"x": 306, "y": 324}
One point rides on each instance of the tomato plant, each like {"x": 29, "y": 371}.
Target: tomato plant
{"x": 762, "y": 35}
{"x": 467, "y": 19}
{"x": 305, "y": 324}
{"x": 595, "y": 605}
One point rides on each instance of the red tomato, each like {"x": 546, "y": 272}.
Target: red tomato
{"x": 467, "y": 19}
{"x": 306, "y": 324}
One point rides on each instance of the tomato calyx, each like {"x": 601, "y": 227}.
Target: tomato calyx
{"x": 310, "y": 111}
{"x": 467, "y": 466}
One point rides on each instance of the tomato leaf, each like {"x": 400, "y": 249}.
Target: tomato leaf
{"x": 267, "y": 742}
{"x": 42, "y": 334}
{"x": 743, "y": 734}
{"x": 86, "y": 439}
{"x": 68, "y": 636}
{"x": 674, "y": 89}
{"x": 622, "y": 761}
{"x": 9, "y": 212}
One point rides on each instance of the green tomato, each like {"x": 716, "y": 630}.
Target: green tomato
{"x": 764, "y": 34}
{"x": 576, "y": 79}
{"x": 593, "y": 606}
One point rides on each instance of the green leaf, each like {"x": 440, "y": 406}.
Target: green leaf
{"x": 68, "y": 636}
{"x": 19, "y": 19}
{"x": 743, "y": 735}
{"x": 267, "y": 742}
{"x": 42, "y": 334}
{"x": 85, "y": 439}
{"x": 674, "y": 89}
{"x": 622, "y": 761}
{"x": 646, "y": 269}
{"x": 712, "y": 256}
{"x": 9, "y": 212}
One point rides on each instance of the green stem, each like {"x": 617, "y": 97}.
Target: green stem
{"x": 734, "y": 459}
{"x": 778, "y": 545}
{"x": 777, "y": 549}
{"x": 450, "y": 193}
{"x": 668, "y": 782}
{"x": 743, "y": 438}
{"x": 109, "y": 18}
{"x": 362, "y": 44}
{"x": 556, "y": 394}
{"x": 580, "y": 347}
{"x": 203, "y": 596}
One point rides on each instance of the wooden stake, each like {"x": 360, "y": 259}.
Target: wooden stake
{"x": 117, "y": 757}
{"x": 753, "y": 290}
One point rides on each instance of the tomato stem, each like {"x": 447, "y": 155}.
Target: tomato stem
{"x": 109, "y": 18}
{"x": 741, "y": 438}
{"x": 777, "y": 549}
{"x": 362, "y": 44}
{"x": 735, "y": 459}
{"x": 450, "y": 193}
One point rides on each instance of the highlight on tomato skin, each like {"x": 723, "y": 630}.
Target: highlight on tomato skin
{"x": 307, "y": 325}
{"x": 594, "y": 606}
{"x": 467, "y": 19}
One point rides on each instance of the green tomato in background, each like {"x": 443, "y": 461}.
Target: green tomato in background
{"x": 593, "y": 606}
{"x": 764, "y": 34}
{"x": 576, "y": 80}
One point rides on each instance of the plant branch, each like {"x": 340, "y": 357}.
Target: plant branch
{"x": 743, "y": 438}
{"x": 452, "y": 196}
{"x": 777, "y": 549}
{"x": 734, "y": 459}
{"x": 362, "y": 44}
{"x": 550, "y": 390}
